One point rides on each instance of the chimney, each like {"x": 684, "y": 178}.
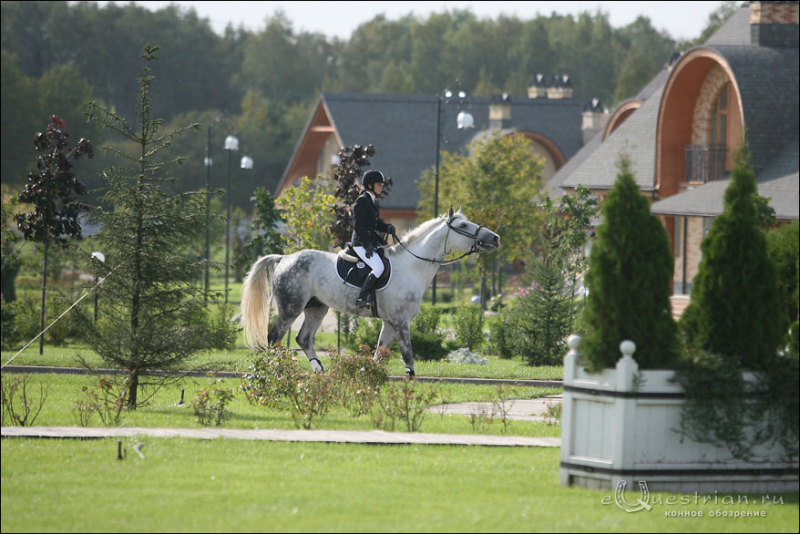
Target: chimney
{"x": 673, "y": 59}
{"x": 561, "y": 87}
{"x": 592, "y": 118}
{"x": 500, "y": 112}
{"x": 774, "y": 24}
{"x": 537, "y": 88}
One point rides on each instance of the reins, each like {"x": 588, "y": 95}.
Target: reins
{"x": 472, "y": 249}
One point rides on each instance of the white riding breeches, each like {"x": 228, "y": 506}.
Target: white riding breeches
{"x": 375, "y": 263}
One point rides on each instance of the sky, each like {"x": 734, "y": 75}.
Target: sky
{"x": 681, "y": 20}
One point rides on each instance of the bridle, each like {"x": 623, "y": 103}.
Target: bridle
{"x": 473, "y": 249}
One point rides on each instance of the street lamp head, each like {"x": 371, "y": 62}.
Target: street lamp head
{"x": 99, "y": 256}
{"x": 465, "y": 120}
{"x": 247, "y": 162}
{"x": 231, "y": 143}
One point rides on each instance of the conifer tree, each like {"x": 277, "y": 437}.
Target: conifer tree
{"x": 154, "y": 316}
{"x": 735, "y": 310}
{"x": 630, "y": 270}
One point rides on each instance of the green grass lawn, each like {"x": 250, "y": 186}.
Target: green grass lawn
{"x": 224, "y": 485}
{"x": 239, "y": 359}
{"x": 63, "y": 392}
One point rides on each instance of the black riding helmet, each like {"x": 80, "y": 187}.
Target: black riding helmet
{"x": 372, "y": 177}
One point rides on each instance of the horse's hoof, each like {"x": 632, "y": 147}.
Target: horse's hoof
{"x": 410, "y": 375}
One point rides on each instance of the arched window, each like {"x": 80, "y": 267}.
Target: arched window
{"x": 719, "y": 134}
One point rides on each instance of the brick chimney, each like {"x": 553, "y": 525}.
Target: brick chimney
{"x": 774, "y": 24}
{"x": 500, "y": 112}
{"x": 593, "y": 114}
{"x": 538, "y": 87}
{"x": 560, "y": 87}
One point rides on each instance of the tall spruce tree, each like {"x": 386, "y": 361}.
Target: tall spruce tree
{"x": 630, "y": 270}
{"x": 154, "y": 315}
{"x": 735, "y": 310}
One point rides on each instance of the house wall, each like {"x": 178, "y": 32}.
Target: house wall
{"x": 329, "y": 149}
{"x": 702, "y": 119}
{"x": 548, "y": 165}
{"x": 687, "y": 254}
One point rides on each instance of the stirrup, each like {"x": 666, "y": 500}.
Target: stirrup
{"x": 365, "y": 302}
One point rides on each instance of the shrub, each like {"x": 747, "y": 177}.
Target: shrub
{"x": 18, "y": 404}
{"x": 66, "y": 327}
{"x": 469, "y": 327}
{"x": 407, "y": 402}
{"x": 107, "y": 398}
{"x": 500, "y": 335}
{"x": 20, "y": 320}
{"x": 629, "y": 281}
{"x": 428, "y": 346}
{"x": 275, "y": 379}
{"x": 782, "y": 246}
{"x": 206, "y": 408}
{"x": 368, "y": 332}
{"x": 427, "y": 321}
{"x": 737, "y": 321}
{"x": 223, "y": 326}
{"x": 735, "y": 310}
{"x": 357, "y": 378}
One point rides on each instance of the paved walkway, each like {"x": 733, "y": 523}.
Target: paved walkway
{"x": 521, "y": 410}
{"x": 376, "y": 437}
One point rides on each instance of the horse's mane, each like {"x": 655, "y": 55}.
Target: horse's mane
{"x": 422, "y": 230}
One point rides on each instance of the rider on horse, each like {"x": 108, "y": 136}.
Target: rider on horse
{"x": 367, "y": 223}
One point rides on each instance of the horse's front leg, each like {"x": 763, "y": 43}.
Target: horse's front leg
{"x": 404, "y": 340}
{"x": 387, "y": 336}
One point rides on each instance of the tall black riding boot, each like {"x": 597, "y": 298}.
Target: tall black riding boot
{"x": 365, "y": 297}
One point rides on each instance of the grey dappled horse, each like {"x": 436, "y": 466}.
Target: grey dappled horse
{"x": 306, "y": 282}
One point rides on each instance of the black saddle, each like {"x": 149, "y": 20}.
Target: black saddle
{"x": 352, "y": 271}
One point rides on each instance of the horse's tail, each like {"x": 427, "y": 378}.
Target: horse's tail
{"x": 257, "y": 301}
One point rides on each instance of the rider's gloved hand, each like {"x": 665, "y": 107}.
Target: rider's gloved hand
{"x": 369, "y": 253}
{"x": 391, "y": 229}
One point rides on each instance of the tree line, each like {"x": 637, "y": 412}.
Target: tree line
{"x": 262, "y": 85}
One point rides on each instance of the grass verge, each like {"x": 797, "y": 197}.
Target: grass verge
{"x": 226, "y": 485}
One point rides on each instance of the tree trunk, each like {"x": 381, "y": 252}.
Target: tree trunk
{"x": 133, "y": 387}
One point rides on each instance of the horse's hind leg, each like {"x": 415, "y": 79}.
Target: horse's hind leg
{"x": 279, "y": 329}
{"x": 314, "y": 314}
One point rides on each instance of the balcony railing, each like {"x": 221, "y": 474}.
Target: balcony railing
{"x": 705, "y": 162}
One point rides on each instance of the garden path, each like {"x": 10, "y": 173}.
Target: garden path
{"x": 377, "y": 437}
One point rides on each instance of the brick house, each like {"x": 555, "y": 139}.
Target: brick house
{"x": 682, "y": 129}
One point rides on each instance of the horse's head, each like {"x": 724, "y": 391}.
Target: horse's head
{"x": 480, "y": 238}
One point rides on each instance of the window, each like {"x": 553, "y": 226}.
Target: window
{"x": 719, "y": 131}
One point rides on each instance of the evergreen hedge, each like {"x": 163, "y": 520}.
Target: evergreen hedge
{"x": 629, "y": 279}
{"x": 735, "y": 310}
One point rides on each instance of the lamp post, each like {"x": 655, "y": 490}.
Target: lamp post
{"x": 464, "y": 120}
{"x": 208, "y": 162}
{"x": 231, "y": 145}
{"x": 99, "y": 256}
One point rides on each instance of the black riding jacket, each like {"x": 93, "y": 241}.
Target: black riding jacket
{"x": 367, "y": 222}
